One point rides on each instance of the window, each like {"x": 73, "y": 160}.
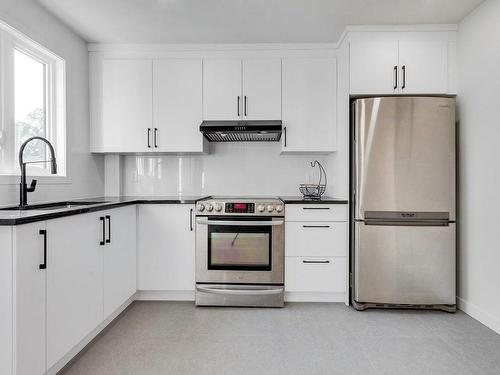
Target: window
{"x": 32, "y": 81}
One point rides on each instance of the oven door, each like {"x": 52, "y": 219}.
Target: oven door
{"x": 239, "y": 250}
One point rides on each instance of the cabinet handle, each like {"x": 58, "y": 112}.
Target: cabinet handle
{"x": 315, "y": 208}
{"x": 403, "y": 69}
{"x": 102, "y": 242}
{"x": 108, "y": 218}
{"x": 238, "y": 106}
{"x": 284, "y": 129}
{"x": 395, "y": 77}
{"x": 43, "y": 266}
{"x": 315, "y": 226}
{"x": 245, "y": 102}
{"x": 149, "y": 137}
{"x": 191, "y": 220}
{"x": 155, "y": 137}
{"x": 315, "y": 261}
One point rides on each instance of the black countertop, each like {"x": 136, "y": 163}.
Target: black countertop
{"x": 15, "y": 216}
{"x": 301, "y": 200}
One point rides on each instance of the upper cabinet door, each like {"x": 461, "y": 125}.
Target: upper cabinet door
{"x": 127, "y": 90}
{"x": 177, "y": 105}
{"x": 374, "y": 67}
{"x": 262, "y": 89}
{"x": 423, "y": 67}
{"x": 222, "y": 89}
{"x": 309, "y": 105}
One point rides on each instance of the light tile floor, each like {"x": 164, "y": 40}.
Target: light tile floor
{"x": 177, "y": 338}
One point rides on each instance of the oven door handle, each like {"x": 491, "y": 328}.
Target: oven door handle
{"x": 239, "y": 222}
{"x": 239, "y": 291}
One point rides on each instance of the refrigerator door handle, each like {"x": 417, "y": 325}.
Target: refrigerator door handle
{"x": 408, "y": 223}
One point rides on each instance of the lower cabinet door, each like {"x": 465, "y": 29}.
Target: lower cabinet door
{"x": 314, "y": 274}
{"x": 74, "y": 282}
{"x": 119, "y": 257}
{"x": 166, "y": 247}
{"x": 29, "y": 300}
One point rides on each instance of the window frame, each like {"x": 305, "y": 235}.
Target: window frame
{"x": 55, "y": 103}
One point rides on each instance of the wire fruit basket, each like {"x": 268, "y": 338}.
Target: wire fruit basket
{"x": 315, "y": 191}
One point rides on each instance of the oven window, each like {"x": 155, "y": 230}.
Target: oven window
{"x": 239, "y": 248}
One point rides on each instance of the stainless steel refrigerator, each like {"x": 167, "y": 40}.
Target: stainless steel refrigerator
{"x": 403, "y": 180}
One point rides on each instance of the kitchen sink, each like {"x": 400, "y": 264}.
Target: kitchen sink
{"x": 52, "y": 206}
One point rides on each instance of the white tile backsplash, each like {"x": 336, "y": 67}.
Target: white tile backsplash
{"x": 229, "y": 169}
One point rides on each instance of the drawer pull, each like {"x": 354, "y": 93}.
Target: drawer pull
{"x": 315, "y": 226}
{"x": 315, "y": 261}
{"x": 315, "y": 208}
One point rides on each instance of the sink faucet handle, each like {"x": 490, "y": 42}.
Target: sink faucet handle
{"x": 32, "y": 186}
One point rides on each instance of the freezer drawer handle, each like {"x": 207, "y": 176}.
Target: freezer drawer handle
{"x": 239, "y": 291}
{"x": 315, "y": 261}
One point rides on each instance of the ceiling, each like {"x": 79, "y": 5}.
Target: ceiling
{"x": 243, "y": 21}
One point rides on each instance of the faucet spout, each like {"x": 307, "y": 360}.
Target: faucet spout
{"x": 23, "y": 188}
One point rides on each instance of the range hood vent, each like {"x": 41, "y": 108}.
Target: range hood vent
{"x": 242, "y": 131}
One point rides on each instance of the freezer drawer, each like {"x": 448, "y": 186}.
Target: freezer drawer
{"x": 404, "y": 264}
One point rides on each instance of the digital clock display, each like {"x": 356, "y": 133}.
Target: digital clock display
{"x": 243, "y": 208}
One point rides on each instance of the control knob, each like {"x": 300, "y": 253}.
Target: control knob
{"x": 201, "y": 207}
{"x": 270, "y": 208}
{"x": 261, "y": 208}
{"x": 210, "y": 207}
{"x": 218, "y": 207}
{"x": 279, "y": 208}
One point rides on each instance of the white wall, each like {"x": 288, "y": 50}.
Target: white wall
{"x": 85, "y": 171}
{"x": 479, "y": 131}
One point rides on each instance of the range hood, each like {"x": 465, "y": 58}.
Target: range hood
{"x": 242, "y": 131}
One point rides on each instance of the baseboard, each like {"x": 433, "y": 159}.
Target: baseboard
{"x": 82, "y": 344}
{"x": 315, "y": 297}
{"x": 161, "y": 295}
{"x": 479, "y": 314}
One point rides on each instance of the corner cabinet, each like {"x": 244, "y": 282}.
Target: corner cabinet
{"x": 145, "y": 105}
{"x": 309, "y": 105}
{"x": 388, "y": 63}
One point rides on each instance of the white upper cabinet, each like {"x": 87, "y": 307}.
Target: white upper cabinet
{"x": 177, "y": 105}
{"x": 126, "y": 124}
{"x": 400, "y": 63}
{"x": 262, "y": 89}
{"x": 248, "y": 89}
{"x": 222, "y": 98}
{"x": 374, "y": 67}
{"x": 309, "y": 105}
{"x": 423, "y": 67}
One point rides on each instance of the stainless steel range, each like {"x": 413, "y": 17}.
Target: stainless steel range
{"x": 240, "y": 248}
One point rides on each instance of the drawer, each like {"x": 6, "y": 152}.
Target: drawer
{"x": 315, "y": 274}
{"x": 316, "y": 212}
{"x": 316, "y": 239}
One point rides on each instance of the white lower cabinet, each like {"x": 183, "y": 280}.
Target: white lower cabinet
{"x": 166, "y": 244}
{"x": 119, "y": 257}
{"x": 74, "y": 282}
{"x": 29, "y": 306}
{"x": 316, "y": 252}
{"x": 315, "y": 274}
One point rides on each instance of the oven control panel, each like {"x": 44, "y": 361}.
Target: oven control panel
{"x": 254, "y": 208}
{"x": 239, "y": 208}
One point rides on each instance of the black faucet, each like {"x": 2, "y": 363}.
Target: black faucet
{"x": 23, "y": 188}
